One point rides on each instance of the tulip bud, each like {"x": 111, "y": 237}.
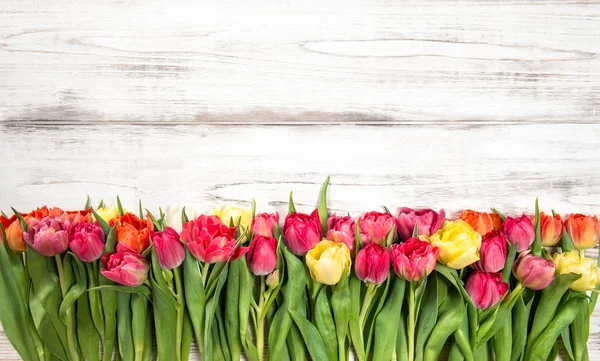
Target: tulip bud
{"x": 47, "y": 236}
{"x": 86, "y": 241}
{"x": 14, "y": 233}
{"x": 262, "y": 256}
{"x": 493, "y": 251}
{"x": 414, "y": 259}
{"x": 583, "y": 230}
{"x": 485, "y": 289}
{"x": 427, "y": 220}
{"x": 458, "y": 244}
{"x": 534, "y": 272}
{"x": 264, "y": 224}
{"x": 328, "y": 262}
{"x": 342, "y": 230}
{"x": 302, "y": 232}
{"x": 169, "y": 249}
{"x": 273, "y": 279}
{"x": 551, "y": 228}
{"x": 373, "y": 264}
{"x": 375, "y": 227}
{"x": 571, "y": 262}
{"x": 127, "y": 268}
{"x": 519, "y": 231}
{"x": 481, "y": 222}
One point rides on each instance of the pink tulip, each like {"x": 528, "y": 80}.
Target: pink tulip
{"x": 302, "y": 232}
{"x": 211, "y": 241}
{"x": 493, "y": 251}
{"x": 264, "y": 223}
{"x": 262, "y": 256}
{"x": 342, "y": 230}
{"x": 128, "y": 268}
{"x": 486, "y": 289}
{"x": 373, "y": 264}
{"x": 169, "y": 249}
{"x": 86, "y": 241}
{"x": 534, "y": 272}
{"x": 519, "y": 231}
{"x": 414, "y": 259}
{"x": 375, "y": 227}
{"x": 48, "y": 236}
{"x": 428, "y": 221}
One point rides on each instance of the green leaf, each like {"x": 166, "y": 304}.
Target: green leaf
{"x": 139, "y": 315}
{"x": 390, "y": 236}
{"x": 323, "y": 206}
{"x": 76, "y": 290}
{"x": 184, "y": 217}
{"x": 454, "y": 312}
{"x": 502, "y": 217}
{"x": 194, "y": 297}
{"x": 415, "y": 232}
{"x": 566, "y": 340}
{"x": 340, "y": 304}
{"x": 520, "y": 320}
{"x": 101, "y": 204}
{"x": 388, "y": 321}
{"x": 502, "y": 341}
{"x": 426, "y": 315}
{"x": 125, "y": 337}
{"x": 253, "y": 208}
{"x": 21, "y": 220}
{"x": 140, "y": 209}
{"x": 580, "y": 330}
{"x": 323, "y": 321}
{"x": 141, "y": 290}
{"x": 211, "y": 306}
{"x": 246, "y": 285}
{"x": 105, "y": 227}
{"x": 536, "y": 248}
{"x": 88, "y": 204}
{"x": 386, "y": 210}
{"x": 312, "y": 338}
{"x": 462, "y": 340}
{"x": 88, "y": 337}
{"x": 565, "y": 241}
{"x": 120, "y": 207}
{"x": 356, "y": 332}
{"x": 232, "y": 303}
{"x": 109, "y": 309}
{"x": 291, "y": 207}
{"x": 165, "y": 318}
{"x": 358, "y": 238}
{"x": 510, "y": 259}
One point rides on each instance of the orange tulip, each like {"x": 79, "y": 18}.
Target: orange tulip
{"x": 14, "y": 233}
{"x": 496, "y": 220}
{"x": 44, "y": 212}
{"x": 74, "y": 217}
{"x": 583, "y": 230}
{"x": 481, "y": 222}
{"x": 133, "y": 232}
{"x": 551, "y": 227}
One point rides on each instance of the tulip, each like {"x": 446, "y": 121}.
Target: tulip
{"x": 572, "y": 262}
{"x": 127, "y": 268}
{"x": 14, "y": 233}
{"x": 519, "y": 231}
{"x": 485, "y": 289}
{"x": 86, "y": 241}
{"x": 481, "y": 222}
{"x": 264, "y": 224}
{"x": 414, "y": 259}
{"x": 342, "y": 229}
{"x": 73, "y": 217}
{"x": 583, "y": 230}
{"x": 47, "y": 236}
{"x": 375, "y": 227}
{"x": 493, "y": 252}
{"x": 273, "y": 279}
{"x": 134, "y": 232}
{"x": 458, "y": 243}
{"x": 302, "y": 232}
{"x": 107, "y": 213}
{"x": 428, "y": 222}
{"x": 169, "y": 249}
{"x": 328, "y": 261}
{"x": 211, "y": 241}
{"x": 44, "y": 212}
{"x": 234, "y": 216}
{"x": 262, "y": 255}
{"x": 533, "y": 272}
{"x": 551, "y": 228}
{"x": 173, "y": 217}
{"x": 373, "y": 264}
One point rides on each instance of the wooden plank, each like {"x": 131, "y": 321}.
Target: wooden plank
{"x": 309, "y": 61}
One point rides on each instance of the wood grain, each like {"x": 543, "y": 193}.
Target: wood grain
{"x": 300, "y": 61}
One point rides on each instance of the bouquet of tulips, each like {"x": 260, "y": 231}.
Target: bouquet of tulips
{"x": 104, "y": 282}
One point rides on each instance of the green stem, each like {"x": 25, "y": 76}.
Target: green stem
{"x": 260, "y": 322}
{"x": 341, "y": 350}
{"x": 411, "y": 322}
{"x": 366, "y": 304}
{"x": 582, "y": 253}
{"x": 69, "y": 321}
{"x": 180, "y": 311}
{"x": 205, "y": 269}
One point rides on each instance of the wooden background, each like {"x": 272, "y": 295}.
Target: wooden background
{"x": 404, "y": 103}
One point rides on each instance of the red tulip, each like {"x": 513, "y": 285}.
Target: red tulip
{"x": 428, "y": 221}
{"x": 519, "y": 231}
{"x": 126, "y": 268}
{"x": 302, "y": 232}
{"x": 262, "y": 256}
{"x": 342, "y": 230}
{"x": 169, "y": 249}
{"x": 414, "y": 259}
{"x": 493, "y": 251}
{"x": 485, "y": 288}
{"x": 373, "y": 264}
{"x": 264, "y": 223}
{"x": 86, "y": 241}
{"x": 583, "y": 230}
{"x": 211, "y": 241}
{"x": 375, "y": 227}
{"x": 534, "y": 272}
{"x": 551, "y": 227}
{"x": 47, "y": 236}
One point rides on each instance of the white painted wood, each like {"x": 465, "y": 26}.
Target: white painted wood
{"x": 312, "y": 60}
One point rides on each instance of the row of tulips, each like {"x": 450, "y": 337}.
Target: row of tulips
{"x": 98, "y": 282}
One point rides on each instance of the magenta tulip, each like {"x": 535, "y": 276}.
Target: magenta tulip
{"x": 493, "y": 251}
{"x": 48, "y": 236}
{"x": 486, "y": 289}
{"x": 519, "y": 231}
{"x": 534, "y": 272}
{"x": 169, "y": 249}
{"x": 264, "y": 223}
{"x": 428, "y": 222}
{"x": 375, "y": 227}
{"x": 262, "y": 256}
{"x": 373, "y": 264}
{"x": 414, "y": 259}
{"x": 302, "y": 232}
{"x": 86, "y": 241}
{"x": 128, "y": 268}
{"x": 342, "y": 230}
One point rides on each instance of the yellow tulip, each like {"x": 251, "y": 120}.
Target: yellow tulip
{"x": 328, "y": 261}
{"x": 234, "y": 215}
{"x": 458, "y": 243}
{"x": 572, "y": 262}
{"x": 108, "y": 213}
